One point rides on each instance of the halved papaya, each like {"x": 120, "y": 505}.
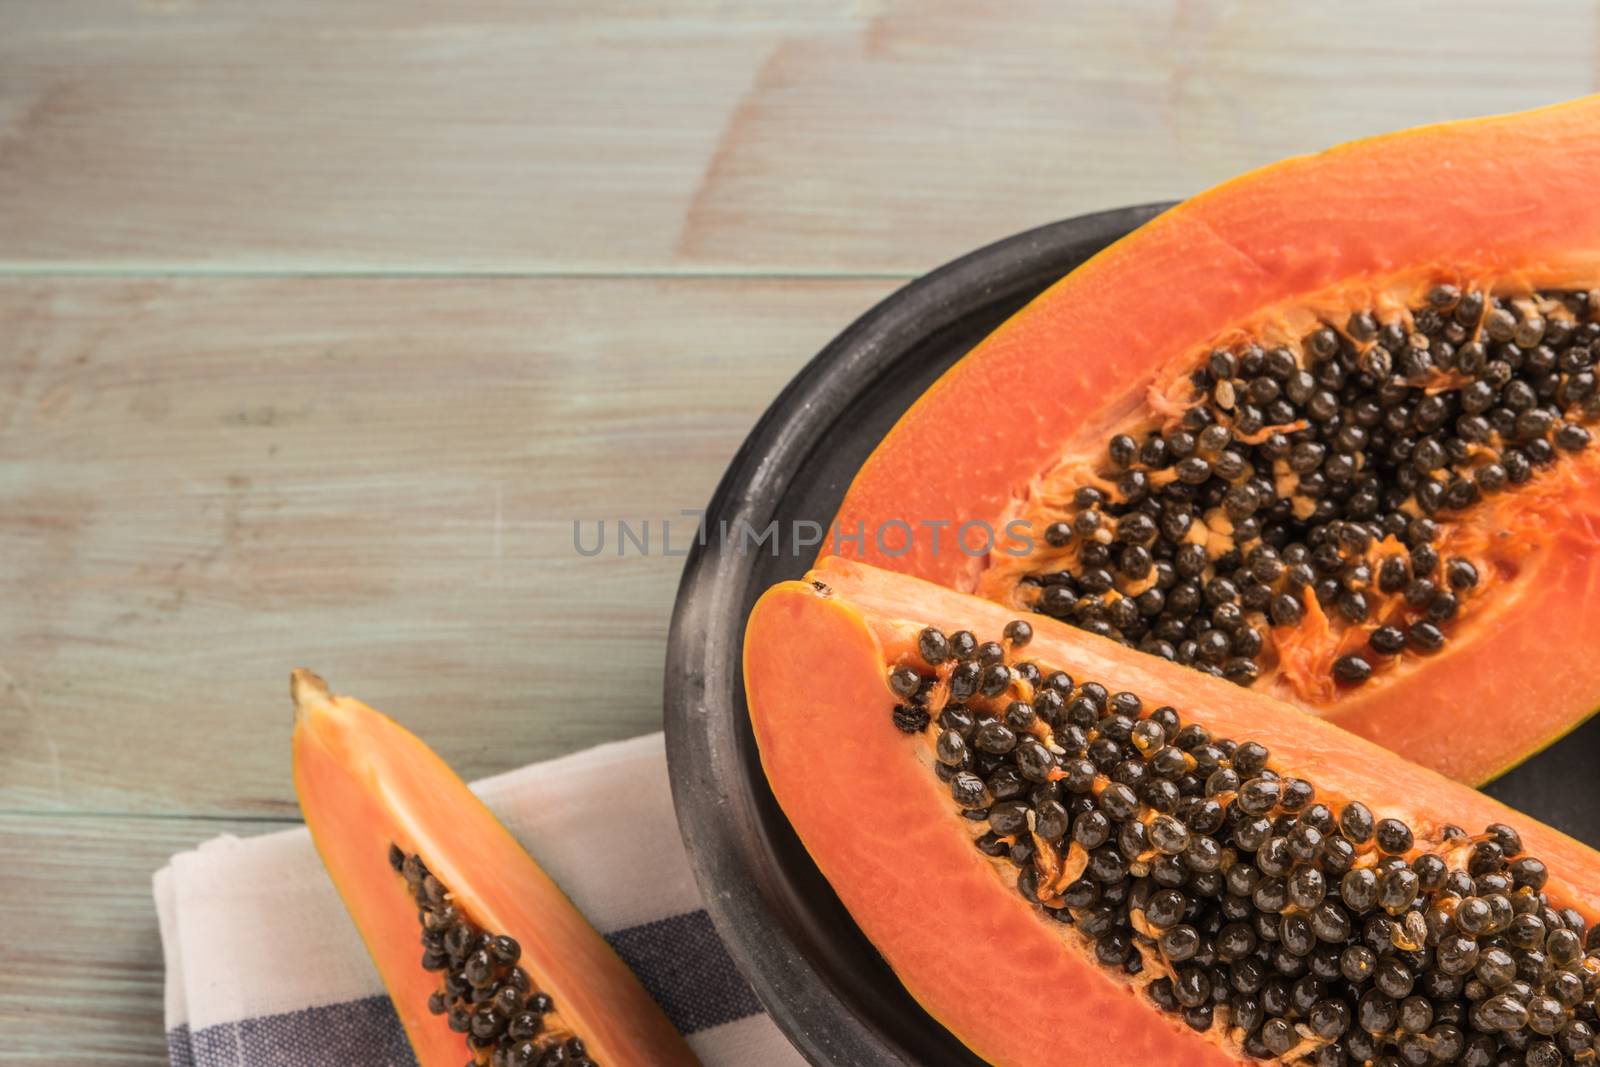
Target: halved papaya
{"x": 1324, "y": 430}
{"x": 1068, "y": 850}
{"x": 485, "y": 958}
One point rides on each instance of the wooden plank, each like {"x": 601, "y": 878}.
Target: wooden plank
{"x": 831, "y": 136}
{"x": 206, "y": 482}
{"x": 83, "y": 974}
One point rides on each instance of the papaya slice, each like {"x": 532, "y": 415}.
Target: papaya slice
{"x": 1325, "y": 430}
{"x": 485, "y": 958}
{"x": 1062, "y": 845}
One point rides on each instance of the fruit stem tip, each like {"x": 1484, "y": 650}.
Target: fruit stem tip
{"x": 308, "y": 691}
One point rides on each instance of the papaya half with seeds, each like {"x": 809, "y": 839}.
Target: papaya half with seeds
{"x": 1324, "y": 430}
{"x": 1060, "y": 844}
{"x": 485, "y": 958}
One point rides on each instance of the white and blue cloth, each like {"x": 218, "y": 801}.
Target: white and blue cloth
{"x": 264, "y": 967}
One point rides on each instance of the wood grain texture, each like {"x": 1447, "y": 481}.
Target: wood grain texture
{"x": 607, "y": 135}
{"x": 206, "y": 482}
{"x": 82, "y": 957}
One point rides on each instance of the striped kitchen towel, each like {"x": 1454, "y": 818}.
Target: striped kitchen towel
{"x": 265, "y": 969}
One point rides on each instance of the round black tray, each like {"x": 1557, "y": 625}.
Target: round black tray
{"x": 818, "y": 976}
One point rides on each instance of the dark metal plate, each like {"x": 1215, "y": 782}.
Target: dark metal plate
{"x": 818, "y": 976}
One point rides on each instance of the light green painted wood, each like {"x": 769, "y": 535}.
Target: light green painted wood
{"x": 207, "y": 482}
{"x": 610, "y": 135}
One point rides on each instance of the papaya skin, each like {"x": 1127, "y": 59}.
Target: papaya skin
{"x": 363, "y": 782}
{"x": 882, "y": 828}
{"x": 1484, "y": 202}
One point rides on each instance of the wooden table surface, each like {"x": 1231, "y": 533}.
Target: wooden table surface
{"x": 321, "y": 324}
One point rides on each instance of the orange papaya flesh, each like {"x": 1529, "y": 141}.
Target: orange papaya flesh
{"x": 1018, "y": 984}
{"x": 1287, "y": 262}
{"x": 517, "y": 977}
